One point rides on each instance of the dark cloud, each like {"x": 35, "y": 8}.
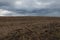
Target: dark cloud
{"x": 30, "y": 7}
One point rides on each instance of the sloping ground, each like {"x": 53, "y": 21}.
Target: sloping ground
{"x": 29, "y": 28}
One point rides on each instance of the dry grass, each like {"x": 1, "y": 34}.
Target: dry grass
{"x": 29, "y": 28}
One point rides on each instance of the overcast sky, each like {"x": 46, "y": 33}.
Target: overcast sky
{"x": 29, "y": 7}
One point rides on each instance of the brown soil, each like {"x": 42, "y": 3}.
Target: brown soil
{"x": 29, "y": 28}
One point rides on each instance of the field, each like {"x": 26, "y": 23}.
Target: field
{"x": 30, "y": 28}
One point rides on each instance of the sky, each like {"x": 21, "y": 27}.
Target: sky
{"x": 29, "y": 7}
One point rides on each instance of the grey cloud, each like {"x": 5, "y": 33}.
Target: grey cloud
{"x": 31, "y": 7}
{"x": 30, "y": 4}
